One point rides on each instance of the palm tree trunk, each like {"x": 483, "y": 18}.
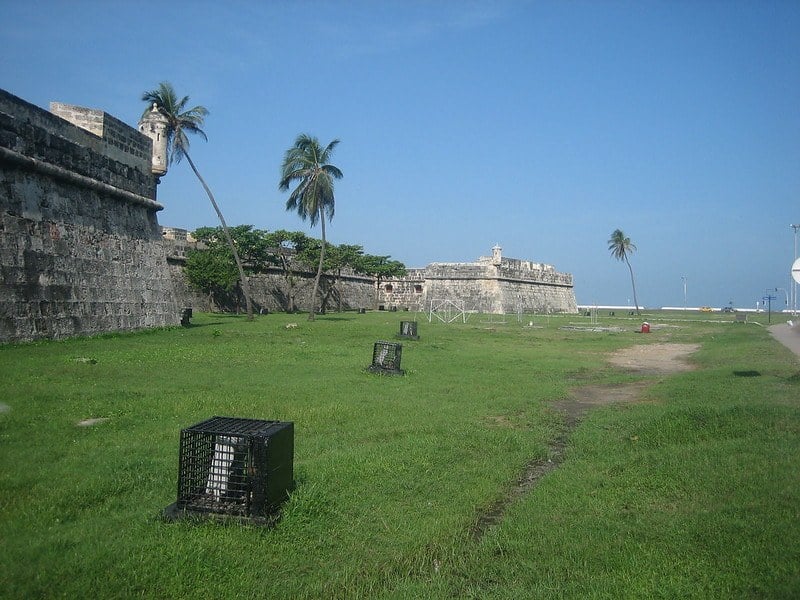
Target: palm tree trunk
{"x": 242, "y": 278}
{"x": 319, "y": 268}
{"x": 633, "y": 285}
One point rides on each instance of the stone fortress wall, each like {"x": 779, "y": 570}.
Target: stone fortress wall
{"x": 82, "y": 252}
{"x": 494, "y": 284}
{"x": 269, "y": 290}
{"x": 80, "y": 246}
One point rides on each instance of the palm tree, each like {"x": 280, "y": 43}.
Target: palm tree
{"x": 181, "y": 120}
{"x": 621, "y": 247}
{"x": 306, "y": 163}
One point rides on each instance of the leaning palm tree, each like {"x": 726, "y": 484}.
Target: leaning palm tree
{"x": 306, "y": 163}
{"x": 181, "y": 120}
{"x": 621, "y": 247}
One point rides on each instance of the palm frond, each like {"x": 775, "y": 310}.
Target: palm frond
{"x": 306, "y": 163}
{"x": 332, "y": 171}
{"x": 620, "y": 245}
{"x": 180, "y": 120}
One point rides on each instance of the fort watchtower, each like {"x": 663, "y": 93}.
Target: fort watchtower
{"x": 154, "y": 125}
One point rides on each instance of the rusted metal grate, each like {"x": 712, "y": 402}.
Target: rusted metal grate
{"x": 408, "y": 330}
{"x": 386, "y": 358}
{"x": 234, "y": 466}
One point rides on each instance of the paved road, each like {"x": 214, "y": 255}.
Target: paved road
{"x": 788, "y": 336}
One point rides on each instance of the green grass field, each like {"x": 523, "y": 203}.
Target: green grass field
{"x": 692, "y": 492}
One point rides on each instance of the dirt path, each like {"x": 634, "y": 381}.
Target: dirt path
{"x": 645, "y": 359}
{"x": 649, "y": 359}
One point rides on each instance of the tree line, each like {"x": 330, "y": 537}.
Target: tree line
{"x": 212, "y": 269}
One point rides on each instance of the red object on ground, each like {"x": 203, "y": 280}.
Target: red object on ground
{"x": 645, "y": 327}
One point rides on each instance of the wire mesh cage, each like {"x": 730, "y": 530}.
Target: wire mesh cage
{"x": 234, "y": 466}
{"x": 386, "y": 358}
{"x": 408, "y": 330}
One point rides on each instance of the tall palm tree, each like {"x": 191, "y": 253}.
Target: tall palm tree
{"x": 181, "y": 120}
{"x": 621, "y": 247}
{"x": 306, "y": 163}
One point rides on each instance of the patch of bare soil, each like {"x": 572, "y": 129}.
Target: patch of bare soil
{"x": 649, "y": 359}
{"x": 656, "y": 359}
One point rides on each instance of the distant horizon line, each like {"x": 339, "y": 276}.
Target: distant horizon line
{"x": 678, "y": 308}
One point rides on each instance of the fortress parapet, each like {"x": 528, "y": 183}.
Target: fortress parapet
{"x": 493, "y": 284}
{"x": 81, "y": 252}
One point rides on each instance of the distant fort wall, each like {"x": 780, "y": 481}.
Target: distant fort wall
{"x": 80, "y": 247}
{"x": 495, "y": 284}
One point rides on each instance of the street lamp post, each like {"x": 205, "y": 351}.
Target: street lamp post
{"x": 768, "y": 298}
{"x": 794, "y": 283}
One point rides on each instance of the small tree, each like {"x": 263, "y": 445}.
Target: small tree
{"x": 345, "y": 256}
{"x": 309, "y": 257}
{"x": 213, "y": 269}
{"x": 211, "y": 272}
{"x": 379, "y": 267}
{"x": 284, "y": 246}
{"x": 621, "y": 247}
{"x": 337, "y": 258}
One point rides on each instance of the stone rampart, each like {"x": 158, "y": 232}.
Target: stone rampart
{"x": 116, "y": 140}
{"x": 270, "y": 289}
{"x": 496, "y": 285}
{"x": 80, "y": 247}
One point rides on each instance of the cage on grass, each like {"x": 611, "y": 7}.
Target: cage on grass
{"x": 386, "y": 358}
{"x": 408, "y": 330}
{"x": 235, "y": 467}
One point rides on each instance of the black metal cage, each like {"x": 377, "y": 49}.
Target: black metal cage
{"x": 386, "y": 358}
{"x": 408, "y": 330}
{"x": 235, "y": 466}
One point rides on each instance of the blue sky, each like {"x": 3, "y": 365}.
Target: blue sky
{"x": 539, "y": 126}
